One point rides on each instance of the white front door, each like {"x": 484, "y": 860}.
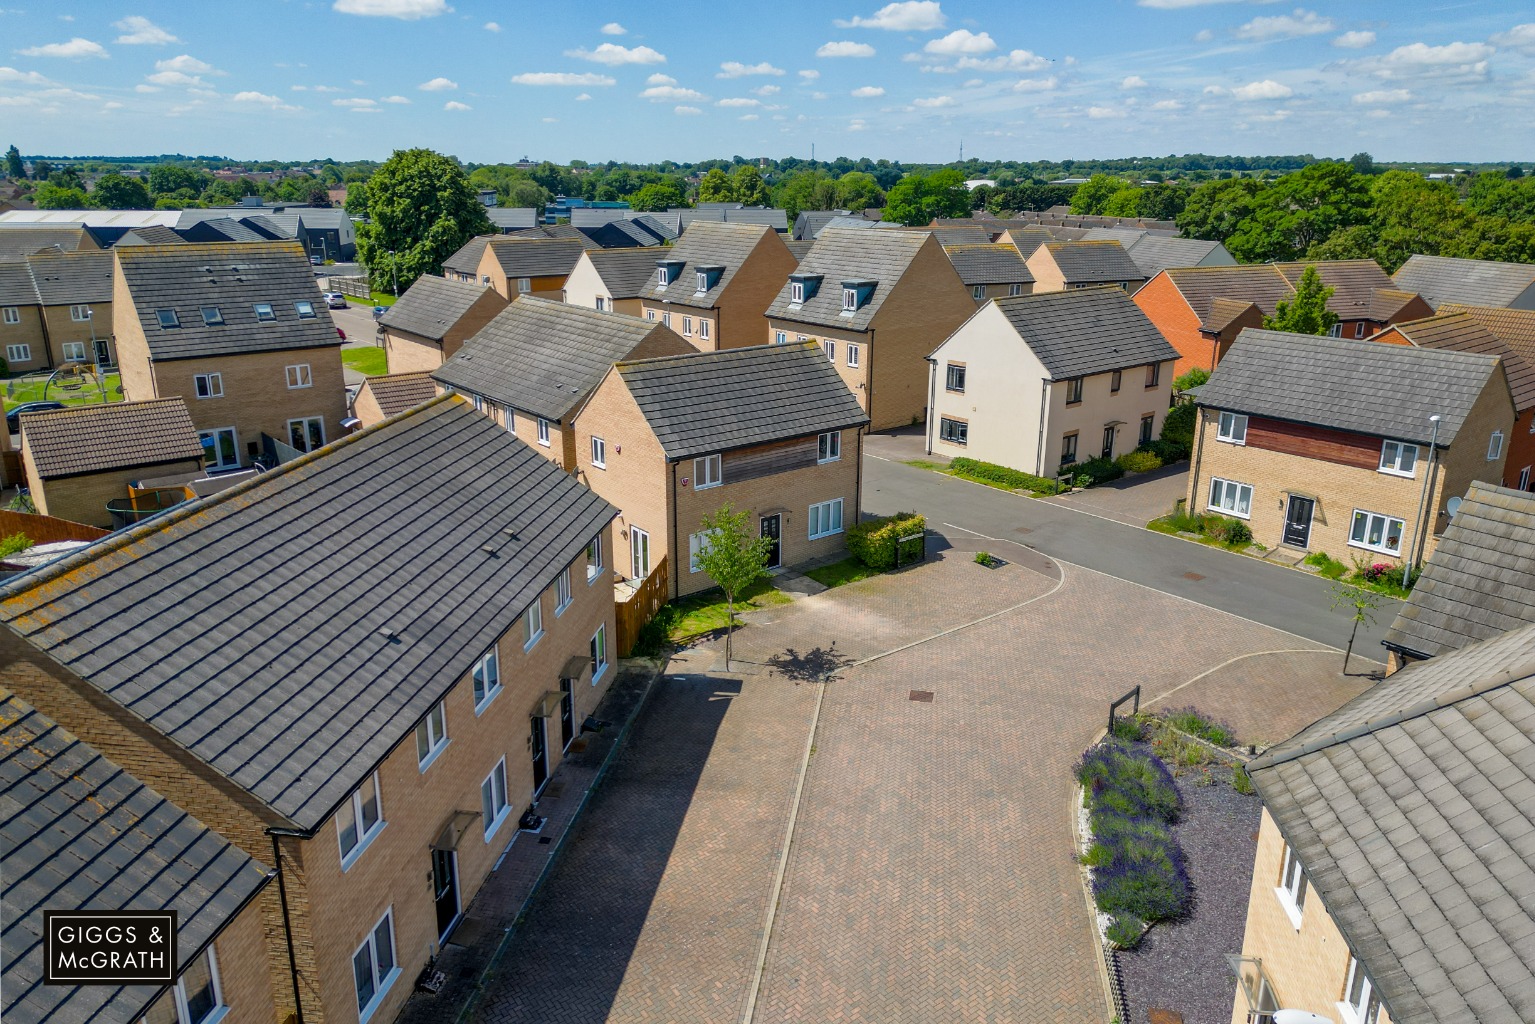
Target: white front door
{"x": 639, "y": 553}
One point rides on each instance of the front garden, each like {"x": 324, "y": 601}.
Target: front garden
{"x": 1206, "y": 528}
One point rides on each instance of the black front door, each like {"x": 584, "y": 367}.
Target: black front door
{"x": 1108, "y": 441}
{"x": 1297, "y": 521}
{"x": 103, "y": 352}
{"x": 540, "y": 754}
{"x": 445, "y": 889}
{"x": 770, "y": 525}
{"x": 567, "y": 712}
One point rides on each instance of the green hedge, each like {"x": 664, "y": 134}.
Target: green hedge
{"x": 873, "y": 542}
{"x": 1168, "y": 451}
{"x": 1139, "y": 461}
{"x": 1178, "y": 426}
{"x": 996, "y": 474}
{"x": 1094, "y": 472}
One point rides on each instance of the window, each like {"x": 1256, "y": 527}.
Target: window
{"x": 663, "y": 278}
{"x": 487, "y": 679}
{"x": 11, "y": 315}
{"x": 299, "y": 376}
{"x": 800, "y": 339}
{"x": 543, "y": 432}
{"x": 493, "y": 804}
{"x": 829, "y": 446}
{"x": 1292, "y": 886}
{"x": 18, "y": 353}
{"x": 854, "y": 353}
{"x": 599, "y": 453}
{"x": 562, "y": 590}
{"x": 1014, "y": 290}
{"x": 602, "y": 304}
{"x": 1153, "y": 374}
{"x": 74, "y": 351}
{"x": 1335, "y": 331}
{"x": 599, "y": 653}
{"x": 358, "y": 821}
{"x": 196, "y": 997}
{"x": 698, "y": 546}
{"x": 524, "y": 285}
{"x": 954, "y": 378}
{"x": 953, "y": 431}
{"x": 209, "y": 385}
{"x": 1360, "y": 1004}
{"x": 825, "y": 518}
{"x": 701, "y": 281}
{"x": 1148, "y": 425}
{"x": 706, "y": 472}
{"x": 703, "y": 329}
{"x": 666, "y": 319}
{"x": 1524, "y": 478}
{"x": 1233, "y": 428}
{"x": 167, "y": 318}
{"x": 687, "y": 327}
{"x": 594, "y": 558}
{"x": 849, "y": 299}
{"x": 264, "y": 312}
{"x": 639, "y": 553}
{"x": 1115, "y": 379}
{"x": 978, "y": 292}
{"x": 431, "y": 736}
{"x": 650, "y": 314}
{"x": 1068, "y": 449}
{"x": 221, "y": 447}
{"x": 1376, "y": 532}
{"x": 831, "y": 349}
{"x": 1359, "y": 329}
{"x": 780, "y": 338}
{"x": 212, "y": 316}
{"x": 533, "y": 623}
{"x": 1232, "y": 497}
{"x": 374, "y": 968}
{"x": 479, "y": 403}
{"x": 484, "y": 279}
{"x": 1398, "y": 458}
{"x": 1495, "y": 446}
{"x": 307, "y": 434}
{"x": 79, "y": 314}
{"x": 305, "y": 309}
{"x": 796, "y": 291}
{"x": 1074, "y": 391}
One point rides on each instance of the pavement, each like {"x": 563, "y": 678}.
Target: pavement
{"x": 1134, "y": 500}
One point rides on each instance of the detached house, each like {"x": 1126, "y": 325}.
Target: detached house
{"x": 1348, "y": 447}
{"x": 1442, "y": 279}
{"x": 714, "y": 284}
{"x": 770, "y": 429}
{"x": 1044, "y": 381}
{"x": 990, "y": 271}
{"x": 531, "y": 367}
{"x": 432, "y": 319}
{"x": 1059, "y": 266}
{"x": 237, "y": 329}
{"x": 877, "y": 302}
{"x": 612, "y": 280}
{"x": 56, "y": 309}
{"x": 516, "y": 266}
{"x": 359, "y": 668}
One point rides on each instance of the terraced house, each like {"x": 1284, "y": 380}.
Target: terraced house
{"x": 612, "y": 280}
{"x": 516, "y": 266}
{"x": 432, "y": 320}
{"x": 991, "y": 271}
{"x": 56, "y": 310}
{"x": 1060, "y": 266}
{"x": 362, "y": 688}
{"x": 239, "y": 330}
{"x": 714, "y": 284}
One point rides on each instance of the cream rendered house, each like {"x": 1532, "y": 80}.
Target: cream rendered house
{"x": 1042, "y": 381}
{"x": 611, "y": 280}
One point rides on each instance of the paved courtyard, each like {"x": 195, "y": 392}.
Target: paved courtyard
{"x": 930, "y": 875}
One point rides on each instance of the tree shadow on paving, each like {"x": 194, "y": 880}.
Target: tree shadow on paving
{"x": 817, "y": 665}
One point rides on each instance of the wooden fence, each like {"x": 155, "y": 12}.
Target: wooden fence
{"x": 46, "y": 529}
{"x": 633, "y": 614}
{"x": 356, "y": 287}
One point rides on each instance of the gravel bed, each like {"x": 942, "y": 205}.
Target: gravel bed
{"x": 1181, "y": 965}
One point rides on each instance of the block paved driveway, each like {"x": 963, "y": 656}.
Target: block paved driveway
{"x": 930, "y": 876}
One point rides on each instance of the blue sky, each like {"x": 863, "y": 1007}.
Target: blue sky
{"x": 494, "y": 81}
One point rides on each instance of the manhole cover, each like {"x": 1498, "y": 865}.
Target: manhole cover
{"x": 1196, "y": 577}
{"x": 544, "y": 840}
{"x": 1023, "y": 529}
{"x": 921, "y": 696}
{"x": 1157, "y": 1015}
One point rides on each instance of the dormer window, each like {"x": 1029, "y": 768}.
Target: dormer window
{"x": 855, "y": 294}
{"x": 668, "y": 271}
{"x": 264, "y": 312}
{"x": 167, "y": 318}
{"x": 796, "y": 291}
{"x": 849, "y": 299}
{"x": 802, "y": 287}
{"x": 708, "y": 277}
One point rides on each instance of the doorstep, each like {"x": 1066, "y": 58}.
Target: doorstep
{"x": 1284, "y": 554}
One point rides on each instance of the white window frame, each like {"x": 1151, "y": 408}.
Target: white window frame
{"x": 953, "y": 431}
{"x": 1524, "y": 478}
{"x": 819, "y": 512}
{"x": 1232, "y": 490}
{"x": 1335, "y": 331}
{"x": 213, "y": 383}
{"x": 484, "y": 279}
{"x": 485, "y": 676}
{"x": 1359, "y": 329}
{"x": 493, "y": 799}
{"x": 353, "y": 809}
{"x": 782, "y": 338}
{"x": 639, "y": 542}
{"x": 524, "y": 285}
{"x": 708, "y": 471}
{"x": 599, "y": 452}
{"x": 703, "y": 329}
{"x": 1363, "y": 1008}
{"x": 382, "y": 982}
{"x": 831, "y": 348}
{"x": 306, "y": 422}
{"x": 80, "y": 313}
{"x": 650, "y": 314}
{"x": 74, "y": 351}
{"x": 1495, "y": 446}
{"x": 431, "y": 736}
{"x": 214, "y": 433}
{"x": 543, "y": 432}
{"x": 1227, "y": 428}
{"x": 181, "y": 1004}
{"x": 849, "y": 300}
{"x": 594, "y": 566}
{"x": 1014, "y": 290}
{"x": 305, "y": 309}
{"x": 829, "y": 447}
{"x": 663, "y": 277}
{"x": 854, "y": 354}
{"x": 299, "y": 376}
{"x": 666, "y": 318}
{"x": 1385, "y": 531}
{"x": 10, "y": 314}
{"x": 696, "y": 548}
{"x": 687, "y": 327}
{"x": 700, "y": 282}
{"x": 796, "y": 292}
{"x": 267, "y": 317}
{"x": 599, "y": 649}
{"x": 1291, "y": 890}
{"x": 949, "y": 378}
{"x": 601, "y": 304}
{"x": 978, "y": 292}
{"x": 533, "y": 623}
{"x": 18, "y": 353}
{"x": 1391, "y": 458}
{"x": 562, "y": 592}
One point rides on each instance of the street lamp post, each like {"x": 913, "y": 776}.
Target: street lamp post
{"x": 1417, "y": 541}
{"x": 394, "y": 270}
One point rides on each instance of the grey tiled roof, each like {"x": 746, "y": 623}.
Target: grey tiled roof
{"x": 66, "y": 278}
{"x": 976, "y": 235}
{"x": 18, "y": 241}
{"x": 1085, "y": 331}
{"x": 705, "y": 243}
{"x": 799, "y": 247}
{"x": 1360, "y": 386}
{"x": 151, "y": 234}
{"x": 79, "y": 832}
{"x": 432, "y": 305}
{"x": 705, "y": 402}
{"x": 1093, "y": 262}
{"x": 777, "y": 220}
{"x": 1479, "y": 582}
{"x": 223, "y": 229}
{"x": 1409, "y": 810}
{"x": 396, "y": 392}
{"x": 843, "y": 254}
{"x": 537, "y": 257}
{"x": 119, "y": 435}
{"x": 305, "y": 621}
{"x": 233, "y": 276}
{"x": 624, "y": 234}
{"x": 1441, "y": 279}
{"x": 544, "y": 358}
{"x": 624, "y": 272}
{"x": 810, "y": 222}
{"x": 1155, "y": 253}
{"x": 466, "y": 258}
{"x": 16, "y": 288}
{"x": 992, "y": 263}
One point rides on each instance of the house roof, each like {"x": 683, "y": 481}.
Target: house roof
{"x": 1408, "y": 809}
{"x": 18, "y": 241}
{"x": 705, "y": 243}
{"x": 799, "y": 247}
{"x": 810, "y": 222}
{"x": 397, "y": 392}
{"x": 1027, "y": 238}
{"x": 513, "y": 217}
{"x": 705, "y": 402}
{"x": 16, "y": 287}
{"x": 1388, "y": 303}
{"x": 119, "y": 435}
{"x": 432, "y": 305}
{"x": 1085, "y": 331}
{"x": 1464, "y": 333}
{"x": 543, "y": 357}
{"x": 843, "y": 254}
{"x": 992, "y": 263}
{"x": 1441, "y": 279}
{"x": 66, "y": 278}
{"x": 1515, "y": 328}
{"x": 225, "y": 228}
{"x": 1354, "y": 284}
{"x": 624, "y": 234}
{"x": 466, "y": 258}
{"x": 1360, "y": 386}
{"x": 1480, "y": 580}
{"x": 306, "y": 620}
{"x": 1126, "y": 237}
{"x": 1225, "y": 312}
{"x": 1155, "y": 253}
{"x": 80, "y": 832}
{"x": 537, "y": 257}
{"x": 1093, "y": 262}
{"x": 777, "y": 220}
{"x": 233, "y": 276}
{"x": 624, "y": 272}
{"x": 975, "y": 235}
{"x": 551, "y": 231}
{"x": 151, "y": 234}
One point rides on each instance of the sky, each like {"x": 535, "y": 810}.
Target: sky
{"x": 911, "y": 80}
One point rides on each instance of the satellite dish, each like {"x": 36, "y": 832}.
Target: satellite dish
{"x": 1452, "y": 506}
{"x": 1299, "y": 1017}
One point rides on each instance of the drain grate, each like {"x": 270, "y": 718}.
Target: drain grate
{"x": 921, "y": 696}
{"x": 1196, "y": 577}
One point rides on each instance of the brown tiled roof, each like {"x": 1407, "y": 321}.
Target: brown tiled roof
{"x": 1223, "y": 313}
{"x": 1260, "y": 284}
{"x": 397, "y": 392}
{"x": 1463, "y": 333}
{"x": 1514, "y": 327}
{"x": 1354, "y": 284}
{"x": 96, "y": 438}
{"x": 1386, "y": 303}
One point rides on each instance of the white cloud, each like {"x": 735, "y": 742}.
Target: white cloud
{"x": 146, "y": 88}
{"x": 1452, "y": 60}
{"x": 857, "y": 126}
{"x": 865, "y": 92}
{"x": 395, "y": 99}
{"x": 686, "y": 111}
{"x": 768, "y": 90}
{"x": 1034, "y": 84}
{"x": 1285, "y": 26}
{"x": 327, "y": 88}
{"x": 140, "y": 31}
{"x": 1204, "y": 35}
{"x": 1268, "y": 89}
{"x": 961, "y": 41}
{"x": 550, "y": 120}
{"x": 749, "y": 117}
{"x": 583, "y": 97}
{"x": 491, "y": 26}
{"x": 660, "y": 79}
{"x": 1014, "y": 60}
{"x": 1103, "y": 113}
{"x": 660, "y": 93}
{"x": 974, "y": 83}
{"x": 560, "y": 78}
{"x": 1177, "y": 5}
{"x": 438, "y": 85}
{"x": 298, "y": 88}
{"x": 1167, "y": 105}
{"x": 739, "y": 101}
{"x": 814, "y": 96}
{"x": 175, "y": 78}
{"x": 1133, "y": 82}
{"x": 933, "y": 102}
{"x": 254, "y": 97}
{"x": 613, "y": 28}
{"x": 114, "y": 105}
{"x": 22, "y": 77}
{"x": 735, "y": 69}
{"x": 1520, "y": 37}
{"x": 187, "y": 64}
{"x": 455, "y": 105}
{"x": 1214, "y": 90}
{"x": 76, "y": 47}
{"x": 1376, "y": 97}
{"x": 405, "y": 10}
{"x": 1354, "y": 40}
{"x": 810, "y": 74}
{"x": 906, "y": 16}
{"x": 354, "y": 102}
{"x": 844, "y": 49}
{"x": 613, "y": 55}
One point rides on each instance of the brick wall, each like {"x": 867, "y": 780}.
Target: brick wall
{"x": 634, "y": 479}
{"x": 1165, "y": 306}
{"x": 743, "y": 305}
{"x": 28, "y": 332}
{"x": 1047, "y": 275}
{"x": 855, "y": 376}
{"x": 411, "y": 353}
{"x": 62, "y": 327}
{"x": 133, "y": 362}
{"x": 246, "y": 981}
{"x": 83, "y": 499}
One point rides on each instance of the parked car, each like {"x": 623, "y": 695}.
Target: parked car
{"x": 335, "y": 300}
{"x": 315, "y": 261}
{"x": 13, "y": 417}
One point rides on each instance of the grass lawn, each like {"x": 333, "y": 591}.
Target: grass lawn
{"x": 370, "y": 360}
{"x": 702, "y": 613}
{"x": 30, "y": 389}
{"x": 382, "y": 299}
{"x": 849, "y": 570}
{"x": 1161, "y": 525}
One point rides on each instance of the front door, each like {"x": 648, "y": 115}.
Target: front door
{"x": 445, "y": 890}
{"x": 1297, "y": 521}
{"x": 540, "y": 755}
{"x": 770, "y": 528}
{"x": 103, "y": 352}
{"x": 1108, "y": 441}
{"x": 567, "y": 712}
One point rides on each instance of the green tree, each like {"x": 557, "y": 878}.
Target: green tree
{"x": 1361, "y": 605}
{"x": 117, "y": 192}
{"x": 357, "y": 199}
{"x": 1216, "y": 209}
{"x": 525, "y": 193}
{"x": 1093, "y": 195}
{"x": 805, "y": 190}
{"x": 1299, "y": 210}
{"x": 221, "y": 193}
{"x": 748, "y": 186}
{"x": 658, "y": 196}
{"x": 1362, "y": 163}
{"x": 1163, "y": 202}
{"x": 167, "y": 178}
{"x": 55, "y": 197}
{"x": 1124, "y": 203}
{"x": 734, "y": 557}
{"x": 319, "y": 197}
{"x": 14, "y": 168}
{"x": 917, "y": 200}
{"x": 1412, "y": 216}
{"x": 41, "y": 169}
{"x": 859, "y": 190}
{"x": 716, "y": 187}
{"x": 1307, "y": 313}
{"x": 422, "y": 208}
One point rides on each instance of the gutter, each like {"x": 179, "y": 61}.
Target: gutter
{"x": 1044, "y": 407}
{"x": 932, "y": 393}
{"x": 287, "y": 923}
